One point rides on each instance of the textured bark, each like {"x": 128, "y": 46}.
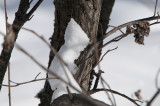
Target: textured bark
{"x": 63, "y": 12}
{"x": 95, "y": 26}
{"x": 77, "y": 100}
{"x": 88, "y": 14}
{"x": 21, "y": 16}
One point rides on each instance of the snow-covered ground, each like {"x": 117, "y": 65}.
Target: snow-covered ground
{"x": 127, "y": 69}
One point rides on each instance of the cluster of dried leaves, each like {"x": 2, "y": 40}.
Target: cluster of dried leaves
{"x": 140, "y": 30}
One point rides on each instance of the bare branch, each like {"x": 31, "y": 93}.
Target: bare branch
{"x": 115, "y": 92}
{"x": 34, "y": 8}
{"x": 102, "y": 82}
{"x": 37, "y": 76}
{"x": 98, "y": 75}
{"x": 99, "y": 62}
{"x": 153, "y": 98}
{"x": 9, "y": 89}
{"x": 129, "y": 24}
{"x": 106, "y": 54}
{"x": 154, "y": 23}
{"x": 6, "y": 17}
{"x": 22, "y": 83}
{"x": 62, "y": 62}
{"x": 156, "y": 80}
{"x": 155, "y": 8}
{"x": 20, "y": 19}
{"x": 44, "y": 68}
{"x": 118, "y": 37}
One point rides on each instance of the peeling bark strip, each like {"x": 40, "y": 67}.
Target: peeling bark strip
{"x": 88, "y": 14}
{"x": 21, "y": 16}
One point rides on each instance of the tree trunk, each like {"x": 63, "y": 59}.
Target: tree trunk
{"x": 93, "y": 17}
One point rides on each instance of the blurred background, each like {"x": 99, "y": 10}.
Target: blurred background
{"x": 127, "y": 69}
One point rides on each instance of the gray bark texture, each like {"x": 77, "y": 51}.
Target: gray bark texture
{"x": 93, "y": 17}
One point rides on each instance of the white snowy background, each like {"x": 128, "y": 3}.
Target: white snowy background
{"x": 127, "y": 69}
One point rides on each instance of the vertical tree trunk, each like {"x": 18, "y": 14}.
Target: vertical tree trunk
{"x": 87, "y": 14}
{"x": 93, "y": 17}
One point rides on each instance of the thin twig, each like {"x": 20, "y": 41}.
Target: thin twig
{"x": 22, "y": 83}
{"x": 9, "y": 88}
{"x": 52, "y": 48}
{"x": 116, "y": 39}
{"x": 37, "y": 76}
{"x": 62, "y": 62}
{"x": 6, "y": 21}
{"x": 122, "y": 26}
{"x": 44, "y": 68}
{"x": 109, "y": 88}
{"x": 115, "y": 27}
{"x": 106, "y": 53}
{"x": 107, "y": 92}
{"x": 34, "y": 8}
{"x": 99, "y": 61}
{"x": 154, "y": 23}
{"x": 21, "y": 17}
{"x": 155, "y": 8}
{"x": 153, "y": 98}
{"x": 117, "y": 93}
{"x": 156, "y": 80}
{"x": 129, "y": 24}
{"x": 6, "y": 17}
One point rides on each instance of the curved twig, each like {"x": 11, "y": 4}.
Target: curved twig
{"x": 153, "y": 98}
{"x": 115, "y": 92}
{"x": 22, "y": 83}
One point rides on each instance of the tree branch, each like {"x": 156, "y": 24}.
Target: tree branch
{"x": 129, "y": 24}
{"x": 153, "y": 98}
{"x": 155, "y": 8}
{"x": 114, "y": 92}
{"x": 21, "y": 17}
{"x": 9, "y": 89}
{"x": 22, "y": 83}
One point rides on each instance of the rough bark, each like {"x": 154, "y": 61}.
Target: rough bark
{"x": 77, "y": 100}
{"x": 88, "y": 14}
{"x": 97, "y": 24}
{"x": 63, "y": 12}
{"x": 21, "y": 17}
